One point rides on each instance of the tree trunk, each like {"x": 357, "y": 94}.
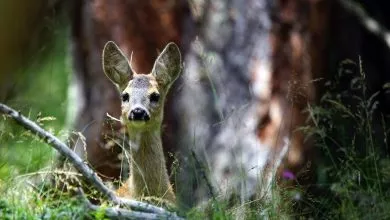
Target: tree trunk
{"x": 220, "y": 104}
{"x": 247, "y": 80}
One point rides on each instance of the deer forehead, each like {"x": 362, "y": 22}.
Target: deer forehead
{"x": 145, "y": 83}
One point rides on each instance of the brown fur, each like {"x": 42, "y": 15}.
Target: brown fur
{"x": 148, "y": 175}
{"x": 148, "y": 172}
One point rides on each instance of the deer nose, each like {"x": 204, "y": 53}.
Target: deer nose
{"x": 138, "y": 114}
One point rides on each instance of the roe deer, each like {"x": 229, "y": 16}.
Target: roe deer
{"x": 143, "y": 97}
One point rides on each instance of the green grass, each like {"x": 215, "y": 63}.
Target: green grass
{"x": 41, "y": 95}
{"x": 16, "y": 205}
{"x": 278, "y": 206}
{"x": 350, "y": 135}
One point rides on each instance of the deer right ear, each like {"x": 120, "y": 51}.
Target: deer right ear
{"x": 168, "y": 66}
{"x": 116, "y": 66}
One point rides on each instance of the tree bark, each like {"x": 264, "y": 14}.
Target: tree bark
{"x": 251, "y": 69}
{"x": 219, "y": 108}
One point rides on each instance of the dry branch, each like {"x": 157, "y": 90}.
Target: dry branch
{"x": 116, "y": 212}
{"x": 86, "y": 171}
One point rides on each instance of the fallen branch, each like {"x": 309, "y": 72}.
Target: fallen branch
{"x": 115, "y": 212}
{"x": 85, "y": 170}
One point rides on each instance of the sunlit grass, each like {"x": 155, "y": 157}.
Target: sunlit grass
{"x": 19, "y": 201}
{"x": 41, "y": 96}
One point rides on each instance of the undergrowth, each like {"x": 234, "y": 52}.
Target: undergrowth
{"x": 277, "y": 206}
{"x": 21, "y": 202}
{"x": 351, "y": 137}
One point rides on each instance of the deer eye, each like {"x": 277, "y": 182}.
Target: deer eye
{"x": 125, "y": 97}
{"x": 154, "y": 97}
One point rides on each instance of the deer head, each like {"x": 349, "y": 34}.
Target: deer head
{"x": 142, "y": 95}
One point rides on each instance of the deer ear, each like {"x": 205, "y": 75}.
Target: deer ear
{"x": 116, "y": 66}
{"x": 167, "y": 66}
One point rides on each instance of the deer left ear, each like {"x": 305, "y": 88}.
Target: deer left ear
{"x": 167, "y": 66}
{"x": 116, "y": 66}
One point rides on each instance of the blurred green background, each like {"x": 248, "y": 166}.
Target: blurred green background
{"x": 34, "y": 76}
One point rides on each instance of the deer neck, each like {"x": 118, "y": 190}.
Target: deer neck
{"x": 148, "y": 173}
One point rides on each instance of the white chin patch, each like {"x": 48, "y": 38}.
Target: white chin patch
{"x": 134, "y": 144}
{"x": 137, "y": 124}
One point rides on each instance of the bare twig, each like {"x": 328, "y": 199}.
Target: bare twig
{"x": 367, "y": 21}
{"x": 204, "y": 175}
{"x": 115, "y": 212}
{"x": 146, "y": 207}
{"x": 84, "y": 169}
